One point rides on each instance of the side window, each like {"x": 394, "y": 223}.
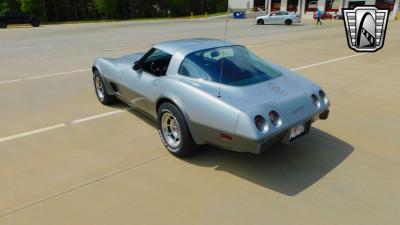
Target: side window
{"x": 10, "y": 15}
{"x": 156, "y": 62}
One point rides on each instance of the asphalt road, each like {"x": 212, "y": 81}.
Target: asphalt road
{"x": 66, "y": 159}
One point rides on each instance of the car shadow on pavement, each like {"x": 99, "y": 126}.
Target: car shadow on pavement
{"x": 144, "y": 117}
{"x": 119, "y": 105}
{"x": 287, "y": 169}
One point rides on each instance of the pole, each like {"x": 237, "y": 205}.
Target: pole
{"x": 223, "y": 53}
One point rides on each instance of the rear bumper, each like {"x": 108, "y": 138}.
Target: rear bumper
{"x": 242, "y": 144}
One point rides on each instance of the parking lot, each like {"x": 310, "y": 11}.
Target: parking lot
{"x": 67, "y": 159}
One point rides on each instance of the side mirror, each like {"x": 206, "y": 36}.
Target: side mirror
{"x": 137, "y": 65}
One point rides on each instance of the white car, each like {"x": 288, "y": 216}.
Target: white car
{"x": 280, "y": 17}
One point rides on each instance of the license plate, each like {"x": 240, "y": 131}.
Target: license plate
{"x": 296, "y": 131}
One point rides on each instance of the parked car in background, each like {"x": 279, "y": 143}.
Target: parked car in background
{"x": 338, "y": 15}
{"x": 280, "y": 17}
{"x": 324, "y": 16}
{"x": 18, "y": 18}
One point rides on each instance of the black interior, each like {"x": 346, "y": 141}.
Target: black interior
{"x": 156, "y": 62}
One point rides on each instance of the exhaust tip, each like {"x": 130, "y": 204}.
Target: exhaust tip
{"x": 324, "y": 115}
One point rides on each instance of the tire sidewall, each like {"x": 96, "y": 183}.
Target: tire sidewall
{"x": 97, "y": 74}
{"x": 171, "y": 149}
{"x": 288, "y": 22}
{"x": 186, "y": 146}
{"x": 107, "y": 99}
{"x": 35, "y": 23}
{"x": 260, "y": 22}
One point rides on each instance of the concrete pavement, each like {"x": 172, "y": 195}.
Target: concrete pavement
{"x": 114, "y": 170}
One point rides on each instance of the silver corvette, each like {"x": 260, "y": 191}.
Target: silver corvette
{"x": 206, "y": 91}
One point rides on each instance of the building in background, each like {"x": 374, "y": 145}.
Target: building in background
{"x": 308, "y": 7}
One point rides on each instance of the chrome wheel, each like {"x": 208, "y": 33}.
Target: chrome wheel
{"x": 99, "y": 88}
{"x": 170, "y": 129}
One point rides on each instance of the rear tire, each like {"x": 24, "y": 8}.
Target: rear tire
{"x": 35, "y": 23}
{"x": 100, "y": 89}
{"x": 174, "y": 131}
{"x": 3, "y": 25}
{"x": 260, "y": 22}
{"x": 288, "y": 22}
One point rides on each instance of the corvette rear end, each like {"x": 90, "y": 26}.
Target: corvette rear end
{"x": 274, "y": 122}
{"x": 278, "y": 110}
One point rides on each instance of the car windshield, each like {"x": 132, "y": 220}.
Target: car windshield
{"x": 238, "y": 65}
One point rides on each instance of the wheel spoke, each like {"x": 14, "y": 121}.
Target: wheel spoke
{"x": 170, "y": 129}
{"x": 99, "y": 88}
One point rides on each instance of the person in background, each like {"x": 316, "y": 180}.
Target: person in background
{"x": 319, "y": 14}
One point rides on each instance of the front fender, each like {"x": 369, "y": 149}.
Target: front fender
{"x": 103, "y": 66}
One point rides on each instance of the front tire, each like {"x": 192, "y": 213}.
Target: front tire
{"x": 260, "y": 22}
{"x": 288, "y": 22}
{"x": 174, "y": 131}
{"x": 100, "y": 89}
{"x": 3, "y": 25}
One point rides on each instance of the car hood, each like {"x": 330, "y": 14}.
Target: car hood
{"x": 262, "y": 17}
{"x": 132, "y": 57}
{"x": 128, "y": 59}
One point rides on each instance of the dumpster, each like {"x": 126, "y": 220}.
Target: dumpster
{"x": 239, "y": 15}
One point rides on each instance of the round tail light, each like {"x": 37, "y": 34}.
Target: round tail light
{"x": 322, "y": 95}
{"x": 261, "y": 123}
{"x": 275, "y": 119}
{"x": 315, "y": 101}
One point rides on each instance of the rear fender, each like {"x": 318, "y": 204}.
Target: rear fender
{"x": 203, "y": 113}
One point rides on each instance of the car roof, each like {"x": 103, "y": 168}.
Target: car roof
{"x": 190, "y": 45}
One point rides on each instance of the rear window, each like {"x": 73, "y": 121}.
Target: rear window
{"x": 233, "y": 65}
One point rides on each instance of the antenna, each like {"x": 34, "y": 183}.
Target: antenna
{"x": 223, "y": 53}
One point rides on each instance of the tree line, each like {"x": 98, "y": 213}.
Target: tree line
{"x": 73, "y": 10}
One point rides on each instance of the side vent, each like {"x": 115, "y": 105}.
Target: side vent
{"x": 114, "y": 87}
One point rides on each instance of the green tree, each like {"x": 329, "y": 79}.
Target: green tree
{"x": 106, "y": 7}
{"x": 35, "y": 7}
{"x": 8, "y": 5}
{"x": 68, "y": 10}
